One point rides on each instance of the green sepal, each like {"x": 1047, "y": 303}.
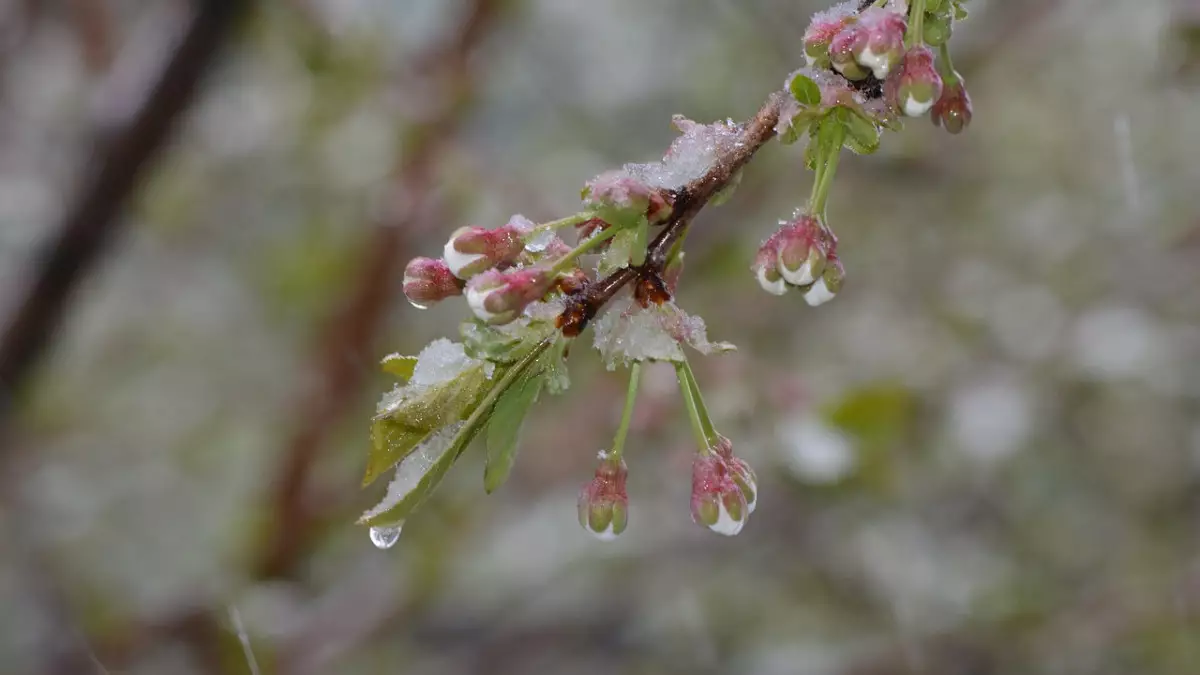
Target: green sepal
{"x": 804, "y": 90}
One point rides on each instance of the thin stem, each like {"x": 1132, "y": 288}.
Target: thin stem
{"x": 618, "y": 447}
{"x": 702, "y": 426}
{"x": 587, "y": 245}
{"x": 827, "y": 164}
{"x": 916, "y": 24}
{"x": 945, "y": 66}
{"x": 569, "y": 221}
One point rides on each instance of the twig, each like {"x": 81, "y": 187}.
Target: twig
{"x": 92, "y": 221}
{"x": 689, "y": 201}
{"x": 349, "y": 338}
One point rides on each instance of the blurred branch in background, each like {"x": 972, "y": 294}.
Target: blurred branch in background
{"x": 349, "y": 340}
{"x": 93, "y": 220}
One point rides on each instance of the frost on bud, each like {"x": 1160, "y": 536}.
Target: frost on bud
{"x": 819, "y": 35}
{"x": 499, "y": 297}
{"x": 717, "y": 501}
{"x": 619, "y": 190}
{"x": 427, "y": 281}
{"x": 803, "y": 245}
{"x": 471, "y": 250}
{"x": 828, "y": 285}
{"x": 842, "y": 49}
{"x": 882, "y": 46}
{"x": 953, "y": 109}
{"x": 603, "y": 503}
{"x": 766, "y": 267}
{"x": 740, "y": 471}
{"x": 917, "y": 85}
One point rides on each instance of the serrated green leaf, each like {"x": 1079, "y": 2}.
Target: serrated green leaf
{"x": 805, "y": 91}
{"x": 400, "y": 366}
{"x": 478, "y": 417}
{"x": 504, "y": 427}
{"x": 862, "y": 136}
{"x": 396, "y": 432}
{"x": 489, "y": 343}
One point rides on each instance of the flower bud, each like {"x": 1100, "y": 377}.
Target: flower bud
{"x": 817, "y": 38}
{"x": 918, "y": 85}
{"x": 766, "y": 267}
{"x": 617, "y": 189}
{"x": 803, "y": 246}
{"x": 883, "y": 46}
{"x": 953, "y": 109}
{"x": 427, "y": 281}
{"x": 717, "y": 501}
{"x": 828, "y": 285}
{"x": 740, "y": 471}
{"x": 603, "y": 503}
{"x": 938, "y": 28}
{"x": 842, "y": 49}
{"x": 471, "y": 250}
{"x": 499, "y": 297}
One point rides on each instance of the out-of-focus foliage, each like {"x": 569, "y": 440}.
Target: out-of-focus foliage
{"x": 984, "y": 457}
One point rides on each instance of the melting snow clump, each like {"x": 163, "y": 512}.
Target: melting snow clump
{"x": 414, "y": 467}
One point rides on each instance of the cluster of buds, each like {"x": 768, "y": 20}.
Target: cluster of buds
{"x": 801, "y": 253}
{"x": 603, "y": 503}
{"x": 869, "y": 49}
{"x": 724, "y": 489}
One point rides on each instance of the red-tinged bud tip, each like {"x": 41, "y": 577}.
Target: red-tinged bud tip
{"x": 953, "y": 109}
{"x": 766, "y": 267}
{"x": 619, "y": 190}
{"x": 499, "y": 297}
{"x": 603, "y": 502}
{"x": 471, "y": 250}
{"x": 717, "y": 501}
{"x": 804, "y": 244}
{"x": 427, "y": 280}
{"x": 883, "y": 46}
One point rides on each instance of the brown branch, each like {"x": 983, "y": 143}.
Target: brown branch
{"x": 689, "y": 201}
{"x": 349, "y": 339}
{"x": 93, "y": 220}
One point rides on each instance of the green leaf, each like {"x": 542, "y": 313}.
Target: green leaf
{"x": 504, "y": 427}
{"x": 558, "y": 379}
{"x": 618, "y": 253}
{"x": 489, "y": 343}
{"x": 400, "y": 366}
{"x": 478, "y": 417}
{"x": 726, "y": 193}
{"x": 805, "y": 90}
{"x": 396, "y": 432}
{"x": 862, "y": 136}
{"x": 641, "y": 235}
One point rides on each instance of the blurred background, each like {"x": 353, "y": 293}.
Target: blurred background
{"x": 983, "y": 457}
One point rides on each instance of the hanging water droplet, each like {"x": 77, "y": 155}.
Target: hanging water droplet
{"x": 417, "y": 304}
{"x": 385, "y": 537}
{"x": 538, "y": 242}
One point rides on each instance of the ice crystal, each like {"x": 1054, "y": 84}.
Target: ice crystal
{"x": 656, "y": 333}
{"x": 691, "y": 154}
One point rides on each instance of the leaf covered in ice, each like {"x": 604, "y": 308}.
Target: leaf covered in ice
{"x": 656, "y": 333}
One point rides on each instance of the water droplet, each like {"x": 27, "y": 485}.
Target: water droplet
{"x": 538, "y": 242}
{"x": 417, "y": 304}
{"x": 385, "y": 537}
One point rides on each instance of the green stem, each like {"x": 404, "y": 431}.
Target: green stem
{"x": 826, "y": 169}
{"x": 591, "y": 243}
{"x": 618, "y": 447}
{"x": 916, "y": 24}
{"x": 945, "y": 67}
{"x": 702, "y": 426}
{"x": 553, "y": 225}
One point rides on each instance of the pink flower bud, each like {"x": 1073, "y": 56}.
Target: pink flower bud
{"x": 717, "y": 501}
{"x": 740, "y": 471}
{"x": 603, "y": 503}
{"x": 766, "y": 267}
{"x": 803, "y": 245}
{"x": 499, "y": 297}
{"x": 829, "y": 284}
{"x": 472, "y": 250}
{"x": 427, "y": 281}
{"x": 819, "y": 35}
{"x": 617, "y": 189}
{"x": 851, "y": 40}
{"x": 883, "y": 46}
{"x": 953, "y": 109}
{"x": 916, "y": 86}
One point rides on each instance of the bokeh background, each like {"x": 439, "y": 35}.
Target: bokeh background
{"x": 983, "y": 457}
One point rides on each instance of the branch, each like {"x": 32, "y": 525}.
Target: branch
{"x": 93, "y": 220}
{"x": 689, "y": 201}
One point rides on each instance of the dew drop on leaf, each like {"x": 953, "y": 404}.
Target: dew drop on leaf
{"x": 385, "y": 537}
